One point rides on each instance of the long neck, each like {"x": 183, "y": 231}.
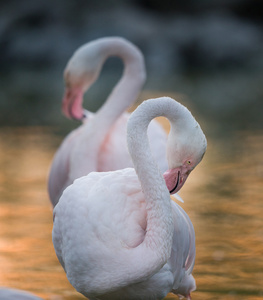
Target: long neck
{"x": 127, "y": 89}
{"x": 123, "y": 95}
{"x": 156, "y": 248}
{"x": 159, "y": 216}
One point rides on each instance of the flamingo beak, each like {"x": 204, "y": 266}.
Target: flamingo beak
{"x": 175, "y": 179}
{"x": 72, "y": 103}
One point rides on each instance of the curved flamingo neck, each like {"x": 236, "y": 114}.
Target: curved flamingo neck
{"x": 128, "y": 87}
{"x": 86, "y": 64}
{"x": 159, "y": 216}
{"x": 124, "y": 93}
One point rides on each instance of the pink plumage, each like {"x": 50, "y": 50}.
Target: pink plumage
{"x": 117, "y": 234}
{"x": 99, "y": 144}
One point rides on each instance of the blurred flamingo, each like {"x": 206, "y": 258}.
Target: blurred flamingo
{"x": 99, "y": 144}
{"x": 117, "y": 234}
{"x": 13, "y": 294}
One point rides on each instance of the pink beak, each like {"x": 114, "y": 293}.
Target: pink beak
{"x": 72, "y": 103}
{"x": 175, "y": 178}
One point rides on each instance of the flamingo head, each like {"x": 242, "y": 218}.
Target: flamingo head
{"x": 72, "y": 103}
{"x": 186, "y": 148}
{"x": 80, "y": 73}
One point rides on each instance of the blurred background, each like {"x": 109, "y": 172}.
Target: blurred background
{"x": 206, "y": 54}
{"x": 212, "y": 51}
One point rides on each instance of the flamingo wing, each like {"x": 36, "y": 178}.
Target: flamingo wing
{"x": 98, "y": 215}
{"x": 59, "y": 173}
{"x": 183, "y": 253}
{"x": 113, "y": 154}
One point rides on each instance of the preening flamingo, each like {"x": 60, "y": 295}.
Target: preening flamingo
{"x": 13, "y": 294}
{"x": 117, "y": 234}
{"x": 99, "y": 144}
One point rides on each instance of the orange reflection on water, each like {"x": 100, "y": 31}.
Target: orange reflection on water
{"x": 227, "y": 217}
{"x": 223, "y": 198}
{"x": 27, "y": 257}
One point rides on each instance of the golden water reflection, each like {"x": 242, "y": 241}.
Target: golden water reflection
{"x": 223, "y": 198}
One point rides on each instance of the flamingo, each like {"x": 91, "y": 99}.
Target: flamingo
{"x": 99, "y": 144}
{"x": 117, "y": 234}
{"x": 14, "y": 294}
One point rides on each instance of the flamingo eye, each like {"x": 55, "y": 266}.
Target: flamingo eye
{"x": 189, "y": 162}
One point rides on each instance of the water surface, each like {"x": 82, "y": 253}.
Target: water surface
{"x": 223, "y": 198}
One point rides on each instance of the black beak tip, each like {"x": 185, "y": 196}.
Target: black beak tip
{"x": 177, "y": 183}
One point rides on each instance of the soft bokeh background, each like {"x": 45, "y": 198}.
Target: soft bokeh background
{"x": 206, "y": 54}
